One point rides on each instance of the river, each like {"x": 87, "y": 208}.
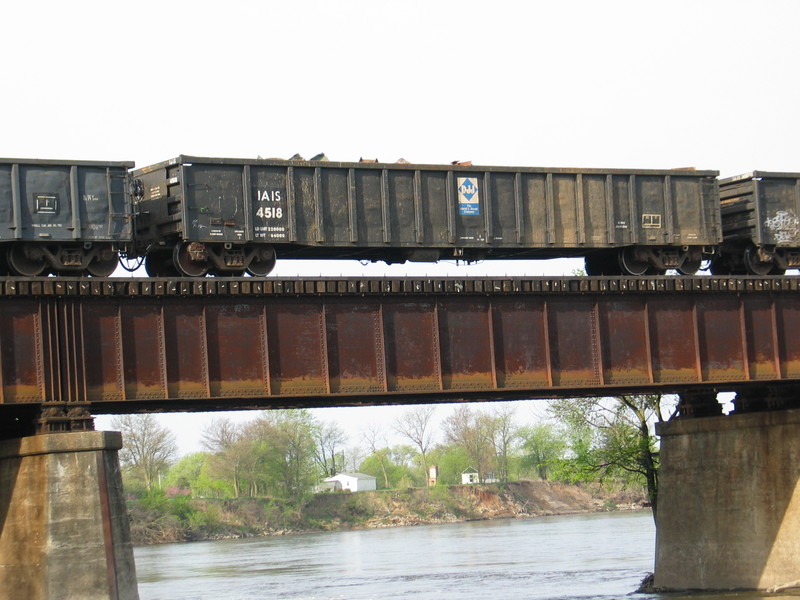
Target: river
{"x": 598, "y": 556}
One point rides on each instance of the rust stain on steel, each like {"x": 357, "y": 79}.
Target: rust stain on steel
{"x": 411, "y": 346}
{"x": 623, "y": 329}
{"x": 760, "y": 339}
{"x": 354, "y": 349}
{"x": 234, "y": 334}
{"x": 520, "y": 342}
{"x": 672, "y": 335}
{"x": 573, "y": 342}
{"x": 465, "y": 340}
{"x": 102, "y": 352}
{"x": 23, "y": 360}
{"x": 185, "y": 351}
{"x": 142, "y": 328}
{"x": 296, "y": 348}
{"x": 787, "y": 321}
{"x": 722, "y": 355}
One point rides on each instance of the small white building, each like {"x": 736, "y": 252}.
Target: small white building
{"x": 469, "y": 476}
{"x": 353, "y": 482}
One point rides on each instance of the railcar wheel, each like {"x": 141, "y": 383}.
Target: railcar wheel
{"x": 630, "y": 264}
{"x": 754, "y": 265}
{"x": 22, "y": 263}
{"x": 263, "y": 262}
{"x": 159, "y": 264}
{"x": 151, "y": 265}
{"x": 593, "y": 266}
{"x": 4, "y": 268}
{"x": 721, "y": 266}
{"x": 190, "y": 259}
{"x": 102, "y": 268}
{"x": 690, "y": 267}
{"x": 602, "y": 264}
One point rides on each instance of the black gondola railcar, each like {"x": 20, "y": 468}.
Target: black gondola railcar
{"x": 63, "y": 216}
{"x": 761, "y": 231}
{"x": 230, "y": 216}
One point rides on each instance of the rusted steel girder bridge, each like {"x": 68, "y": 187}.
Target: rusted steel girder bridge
{"x": 73, "y": 347}
{"x": 125, "y": 345}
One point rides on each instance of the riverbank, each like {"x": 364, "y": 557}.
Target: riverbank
{"x": 158, "y": 519}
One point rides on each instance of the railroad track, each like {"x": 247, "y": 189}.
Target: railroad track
{"x": 360, "y": 286}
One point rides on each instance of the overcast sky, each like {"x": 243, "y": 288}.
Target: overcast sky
{"x": 636, "y": 84}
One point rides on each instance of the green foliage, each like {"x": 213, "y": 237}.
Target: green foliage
{"x": 274, "y": 455}
{"x": 395, "y": 463}
{"x": 208, "y": 519}
{"x": 612, "y": 438}
{"x": 186, "y": 471}
{"x": 543, "y": 445}
{"x": 452, "y": 460}
{"x": 134, "y": 486}
{"x": 154, "y": 500}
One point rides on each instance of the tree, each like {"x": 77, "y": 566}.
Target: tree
{"x": 148, "y": 448}
{"x": 192, "y": 472}
{"x": 473, "y": 431}
{"x": 330, "y": 441}
{"x": 285, "y": 451}
{"x": 613, "y": 435}
{"x": 224, "y": 440}
{"x": 276, "y": 453}
{"x": 452, "y": 460}
{"x": 394, "y": 464}
{"x": 415, "y": 425}
{"x": 504, "y": 434}
{"x": 220, "y": 435}
{"x": 354, "y": 455}
{"x": 375, "y": 438}
{"x": 186, "y": 471}
{"x": 542, "y": 445}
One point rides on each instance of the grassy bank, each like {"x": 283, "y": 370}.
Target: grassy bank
{"x": 155, "y": 518}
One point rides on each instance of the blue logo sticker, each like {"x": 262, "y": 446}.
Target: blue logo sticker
{"x": 468, "y": 196}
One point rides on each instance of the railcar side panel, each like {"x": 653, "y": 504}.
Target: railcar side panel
{"x": 625, "y": 223}
{"x": 402, "y": 212}
{"x": 369, "y": 205}
{"x": 213, "y": 203}
{"x": 431, "y": 208}
{"x": 505, "y": 217}
{"x": 269, "y": 209}
{"x": 105, "y": 204}
{"x": 301, "y": 204}
{"x": 779, "y": 208}
{"x": 46, "y": 209}
{"x": 535, "y": 213}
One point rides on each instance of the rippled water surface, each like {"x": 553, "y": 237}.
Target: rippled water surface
{"x": 599, "y": 557}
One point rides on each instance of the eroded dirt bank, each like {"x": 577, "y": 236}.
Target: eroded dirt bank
{"x": 176, "y": 520}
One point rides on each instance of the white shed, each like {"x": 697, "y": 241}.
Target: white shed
{"x": 470, "y": 476}
{"x": 353, "y": 482}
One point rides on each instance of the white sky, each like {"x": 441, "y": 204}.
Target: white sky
{"x": 710, "y": 84}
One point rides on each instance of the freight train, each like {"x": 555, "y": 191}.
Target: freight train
{"x": 193, "y": 216}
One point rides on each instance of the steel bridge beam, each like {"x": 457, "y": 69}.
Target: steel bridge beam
{"x": 132, "y": 345}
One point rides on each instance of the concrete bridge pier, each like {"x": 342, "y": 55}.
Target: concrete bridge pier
{"x": 729, "y": 505}
{"x": 65, "y": 532}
